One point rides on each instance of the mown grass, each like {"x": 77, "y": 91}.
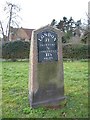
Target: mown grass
{"x": 15, "y": 103}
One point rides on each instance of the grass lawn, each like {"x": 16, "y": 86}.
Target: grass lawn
{"x": 15, "y": 103}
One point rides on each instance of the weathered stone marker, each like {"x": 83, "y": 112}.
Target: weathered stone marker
{"x": 46, "y": 82}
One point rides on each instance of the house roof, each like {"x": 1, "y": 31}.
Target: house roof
{"x": 28, "y": 31}
{"x": 13, "y": 29}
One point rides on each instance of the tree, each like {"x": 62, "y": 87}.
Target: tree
{"x": 69, "y": 27}
{"x": 53, "y": 22}
{"x": 86, "y": 28}
{"x": 12, "y": 15}
{"x": 2, "y": 30}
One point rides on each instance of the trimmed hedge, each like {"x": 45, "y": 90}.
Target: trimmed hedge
{"x": 75, "y": 51}
{"x": 20, "y": 50}
{"x": 16, "y": 50}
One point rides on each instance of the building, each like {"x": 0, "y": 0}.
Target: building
{"x": 20, "y": 34}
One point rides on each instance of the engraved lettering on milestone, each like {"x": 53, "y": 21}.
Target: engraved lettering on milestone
{"x": 47, "y": 46}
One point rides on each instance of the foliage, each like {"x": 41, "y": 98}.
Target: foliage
{"x": 20, "y": 50}
{"x": 70, "y": 27}
{"x": 75, "y": 51}
{"x": 15, "y": 49}
{"x": 86, "y": 36}
{"x": 66, "y": 37}
{"x": 15, "y": 103}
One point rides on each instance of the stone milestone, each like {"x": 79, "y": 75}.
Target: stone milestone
{"x": 46, "y": 78}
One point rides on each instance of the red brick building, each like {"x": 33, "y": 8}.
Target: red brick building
{"x": 20, "y": 34}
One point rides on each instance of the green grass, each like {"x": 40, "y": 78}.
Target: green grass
{"x": 15, "y": 103}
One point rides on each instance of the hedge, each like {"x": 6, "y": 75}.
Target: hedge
{"x": 20, "y": 50}
{"x": 75, "y": 51}
{"x": 15, "y": 50}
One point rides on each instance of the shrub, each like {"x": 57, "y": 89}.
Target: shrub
{"x": 15, "y": 50}
{"x": 75, "y": 51}
{"x": 20, "y": 50}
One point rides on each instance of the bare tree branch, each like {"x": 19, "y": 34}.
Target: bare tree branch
{"x": 2, "y": 30}
{"x": 11, "y": 11}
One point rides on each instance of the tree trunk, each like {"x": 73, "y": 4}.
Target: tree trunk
{"x": 4, "y": 37}
{"x": 9, "y": 22}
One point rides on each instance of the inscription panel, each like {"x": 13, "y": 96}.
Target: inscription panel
{"x": 47, "y": 46}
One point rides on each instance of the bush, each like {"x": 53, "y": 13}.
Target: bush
{"x": 75, "y": 51}
{"x": 15, "y": 50}
{"x": 20, "y": 50}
